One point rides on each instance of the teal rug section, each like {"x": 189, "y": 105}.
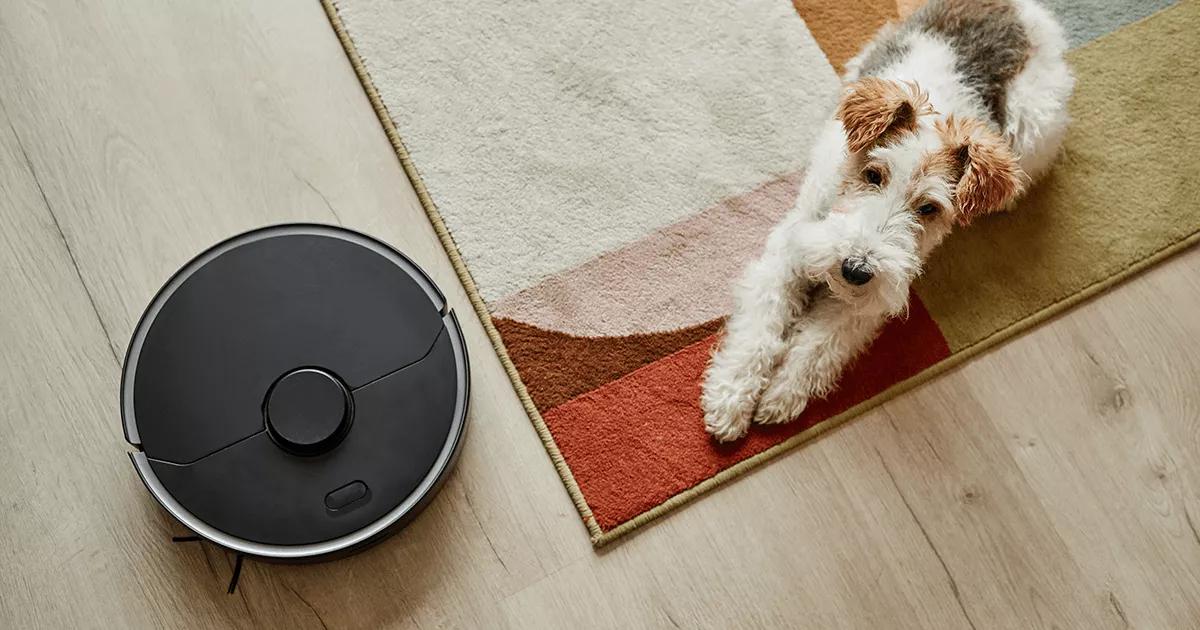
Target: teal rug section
{"x": 1085, "y": 20}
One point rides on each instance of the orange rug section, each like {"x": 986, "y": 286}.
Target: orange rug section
{"x": 841, "y": 27}
{"x": 632, "y": 443}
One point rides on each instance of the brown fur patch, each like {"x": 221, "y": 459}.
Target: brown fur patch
{"x": 990, "y": 45}
{"x": 990, "y": 175}
{"x": 873, "y": 111}
{"x": 939, "y": 164}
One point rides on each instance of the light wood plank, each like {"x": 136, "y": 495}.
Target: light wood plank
{"x": 1107, "y": 437}
{"x": 80, "y": 543}
{"x": 177, "y": 125}
{"x": 800, "y": 543}
{"x": 1051, "y": 481}
{"x": 1009, "y": 567}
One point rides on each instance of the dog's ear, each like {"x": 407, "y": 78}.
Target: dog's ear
{"x": 991, "y": 177}
{"x": 873, "y": 110}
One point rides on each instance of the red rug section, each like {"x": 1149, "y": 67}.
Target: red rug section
{"x": 639, "y": 440}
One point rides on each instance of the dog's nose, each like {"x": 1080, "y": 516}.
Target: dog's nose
{"x": 856, "y": 272}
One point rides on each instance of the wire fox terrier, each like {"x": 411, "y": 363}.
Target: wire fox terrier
{"x": 944, "y": 118}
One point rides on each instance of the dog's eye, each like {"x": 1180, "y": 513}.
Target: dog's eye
{"x": 872, "y": 176}
{"x": 927, "y": 210}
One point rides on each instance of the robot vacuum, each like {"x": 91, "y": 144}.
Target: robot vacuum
{"x": 296, "y": 393}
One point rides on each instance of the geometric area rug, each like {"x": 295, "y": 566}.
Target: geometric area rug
{"x": 599, "y": 173}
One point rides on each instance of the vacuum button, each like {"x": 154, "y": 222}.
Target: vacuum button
{"x": 345, "y": 495}
{"x": 308, "y": 411}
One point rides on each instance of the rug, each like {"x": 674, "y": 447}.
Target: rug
{"x": 599, "y": 175}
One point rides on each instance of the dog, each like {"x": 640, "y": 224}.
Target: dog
{"x": 944, "y": 118}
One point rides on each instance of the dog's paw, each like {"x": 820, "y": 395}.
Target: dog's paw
{"x": 727, "y": 401}
{"x": 780, "y": 403}
{"x": 727, "y": 424}
{"x": 726, "y": 419}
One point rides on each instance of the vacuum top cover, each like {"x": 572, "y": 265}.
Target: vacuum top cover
{"x": 295, "y": 392}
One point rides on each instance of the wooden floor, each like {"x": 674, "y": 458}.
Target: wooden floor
{"x": 1054, "y": 482}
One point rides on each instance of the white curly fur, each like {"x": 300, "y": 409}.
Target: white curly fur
{"x": 796, "y": 322}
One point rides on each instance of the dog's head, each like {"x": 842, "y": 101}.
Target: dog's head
{"x": 907, "y": 180}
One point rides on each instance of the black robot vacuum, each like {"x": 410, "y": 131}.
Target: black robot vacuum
{"x": 296, "y": 393}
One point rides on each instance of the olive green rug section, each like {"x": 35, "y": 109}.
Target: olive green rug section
{"x": 1126, "y": 187}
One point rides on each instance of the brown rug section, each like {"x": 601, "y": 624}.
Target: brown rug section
{"x": 557, "y": 367}
{"x": 841, "y": 28}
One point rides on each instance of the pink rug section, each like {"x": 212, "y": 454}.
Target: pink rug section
{"x": 676, "y": 277}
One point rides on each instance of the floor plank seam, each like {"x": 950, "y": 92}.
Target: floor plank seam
{"x": 308, "y": 605}
{"x": 63, "y": 237}
{"x": 320, "y": 194}
{"x": 479, "y": 523}
{"x": 928, "y": 541}
{"x": 1191, "y": 525}
{"x": 1118, "y": 608}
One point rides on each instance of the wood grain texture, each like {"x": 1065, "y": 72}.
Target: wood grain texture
{"x": 1051, "y": 482}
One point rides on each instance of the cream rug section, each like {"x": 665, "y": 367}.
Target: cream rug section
{"x": 548, "y": 133}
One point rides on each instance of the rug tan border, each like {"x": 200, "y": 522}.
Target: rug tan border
{"x": 599, "y": 537}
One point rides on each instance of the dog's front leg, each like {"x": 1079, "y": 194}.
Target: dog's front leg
{"x": 819, "y": 347}
{"x": 771, "y": 294}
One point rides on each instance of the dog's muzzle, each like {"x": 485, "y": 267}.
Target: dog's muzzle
{"x": 856, "y": 272}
